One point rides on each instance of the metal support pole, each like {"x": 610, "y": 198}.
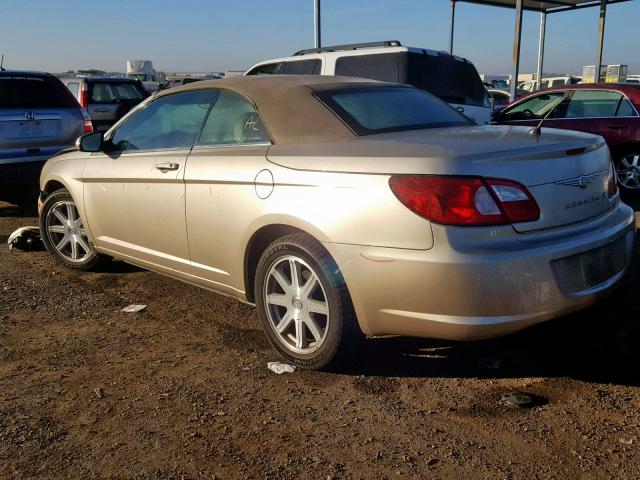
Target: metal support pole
{"x": 452, "y": 26}
{"x": 543, "y": 28}
{"x": 603, "y": 17}
{"x": 517, "y": 37}
{"x": 317, "y": 40}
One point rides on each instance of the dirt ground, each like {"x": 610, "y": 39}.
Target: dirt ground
{"x": 181, "y": 390}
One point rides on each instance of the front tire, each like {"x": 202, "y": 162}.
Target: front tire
{"x": 63, "y": 234}
{"x": 303, "y": 303}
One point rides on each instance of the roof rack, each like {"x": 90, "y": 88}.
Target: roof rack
{"x": 350, "y": 46}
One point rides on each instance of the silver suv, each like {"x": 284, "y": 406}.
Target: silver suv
{"x": 106, "y": 99}
{"x": 38, "y": 118}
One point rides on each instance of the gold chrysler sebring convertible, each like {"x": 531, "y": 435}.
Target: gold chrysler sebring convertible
{"x": 344, "y": 207}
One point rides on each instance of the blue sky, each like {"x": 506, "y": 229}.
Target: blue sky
{"x": 215, "y": 35}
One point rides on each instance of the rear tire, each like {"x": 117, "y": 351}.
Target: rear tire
{"x": 304, "y": 305}
{"x": 63, "y": 234}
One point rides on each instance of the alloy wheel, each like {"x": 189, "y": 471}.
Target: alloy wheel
{"x": 628, "y": 171}
{"x": 66, "y": 232}
{"x": 297, "y": 305}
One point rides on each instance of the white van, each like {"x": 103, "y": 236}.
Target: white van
{"x": 453, "y": 79}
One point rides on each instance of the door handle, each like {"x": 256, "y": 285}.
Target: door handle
{"x": 102, "y": 110}
{"x": 616, "y": 127}
{"x": 166, "y": 166}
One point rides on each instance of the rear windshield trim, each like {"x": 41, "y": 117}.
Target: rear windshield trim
{"x": 325, "y": 97}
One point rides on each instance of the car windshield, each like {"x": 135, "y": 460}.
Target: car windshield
{"x": 113, "y": 92}
{"x": 385, "y": 109}
{"x": 34, "y": 91}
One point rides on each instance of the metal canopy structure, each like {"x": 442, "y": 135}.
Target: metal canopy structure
{"x": 545, "y": 8}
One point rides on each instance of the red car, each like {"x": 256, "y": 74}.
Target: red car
{"x": 607, "y": 109}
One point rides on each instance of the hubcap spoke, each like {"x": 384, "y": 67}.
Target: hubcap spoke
{"x": 313, "y": 329}
{"x": 284, "y": 323}
{"x": 74, "y": 249}
{"x": 57, "y": 229}
{"x": 277, "y": 299}
{"x": 70, "y": 212}
{"x": 60, "y": 216}
{"x": 63, "y": 243}
{"x": 308, "y": 287}
{"x": 299, "y": 334}
{"x": 295, "y": 274}
{"x": 282, "y": 281}
{"x": 316, "y": 306}
{"x": 83, "y": 244}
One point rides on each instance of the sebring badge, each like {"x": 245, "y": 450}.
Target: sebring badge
{"x": 582, "y": 181}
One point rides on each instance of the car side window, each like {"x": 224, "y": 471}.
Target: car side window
{"x": 593, "y": 104}
{"x": 171, "y": 121}
{"x": 534, "y": 108}
{"x": 626, "y": 109}
{"x": 232, "y": 120}
{"x": 73, "y": 87}
{"x": 268, "y": 69}
{"x": 300, "y": 67}
{"x": 381, "y": 66}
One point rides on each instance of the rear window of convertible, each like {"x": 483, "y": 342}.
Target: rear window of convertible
{"x": 387, "y": 109}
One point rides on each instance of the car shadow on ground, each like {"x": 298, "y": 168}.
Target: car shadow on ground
{"x": 594, "y": 346}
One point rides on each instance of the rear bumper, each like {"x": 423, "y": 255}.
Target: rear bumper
{"x": 468, "y": 288}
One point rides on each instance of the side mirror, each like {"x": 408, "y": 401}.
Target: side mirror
{"x": 90, "y": 142}
{"x": 497, "y": 115}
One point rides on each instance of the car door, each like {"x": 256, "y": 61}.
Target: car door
{"x": 134, "y": 193}
{"x": 597, "y": 111}
{"x": 226, "y": 171}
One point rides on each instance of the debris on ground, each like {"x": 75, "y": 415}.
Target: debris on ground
{"x": 626, "y": 441}
{"x": 99, "y": 392}
{"x": 133, "y": 308}
{"x": 517, "y": 400}
{"x": 25, "y": 238}
{"x": 280, "y": 368}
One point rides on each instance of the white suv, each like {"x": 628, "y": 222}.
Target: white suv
{"x": 453, "y": 79}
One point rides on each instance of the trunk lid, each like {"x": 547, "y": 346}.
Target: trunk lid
{"x": 565, "y": 172}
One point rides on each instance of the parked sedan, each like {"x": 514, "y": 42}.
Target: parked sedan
{"x": 610, "y": 110}
{"x": 38, "y": 118}
{"x": 344, "y": 207}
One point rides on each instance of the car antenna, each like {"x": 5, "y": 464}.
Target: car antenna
{"x": 537, "y": 130}
{"x": 1, "y": 63}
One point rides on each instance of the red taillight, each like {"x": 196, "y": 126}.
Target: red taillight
{"x": 84, "y": 95}
{"x": 88, "y": 126}
{"x": 465, "y": 200}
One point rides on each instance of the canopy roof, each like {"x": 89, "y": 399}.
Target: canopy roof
{"x": 548, "y": 6}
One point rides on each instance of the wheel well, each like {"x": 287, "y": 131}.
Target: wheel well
{"x": 626, "y": 149}
{"x": 52, "y": 186}
{"x": 259, "y": 241}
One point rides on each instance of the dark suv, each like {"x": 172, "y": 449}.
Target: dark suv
{"x": 38, "y": 118}
{"x": 107, "y": 99}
